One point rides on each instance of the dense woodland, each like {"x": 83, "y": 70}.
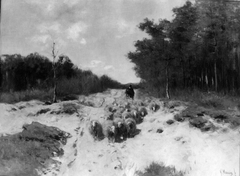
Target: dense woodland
{"x": 19, "y": 73}
{"x": 199, "y": 48}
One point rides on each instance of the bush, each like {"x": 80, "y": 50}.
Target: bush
{"x": 85, "y": 83}
{"x": 156, "y": 169}
{"x": 69, "y": 86}
{"x": 186, "y": 95}
{"x": 203, "y": 99}
{"x": 42, "y": 95}
{"x": 211, "y": 102}
{"x": 107, "y": 82}
{"x": 91, "y": 84}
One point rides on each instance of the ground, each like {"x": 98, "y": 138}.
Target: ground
{"x": 194, "y": 144}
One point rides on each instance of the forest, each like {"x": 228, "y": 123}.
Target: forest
{"x": 36, "y": 72}
{"x": 198, "y": 49}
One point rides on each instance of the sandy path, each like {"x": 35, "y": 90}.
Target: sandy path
{"x": 186, "y": 148}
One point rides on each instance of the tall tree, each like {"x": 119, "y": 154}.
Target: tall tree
{"x": 151, "y": 58}
{"x": 65, "y": 67}
{"x": 214, "y": 22}
{"x": 183, "y": 29}
{"x": 38, "y": 69}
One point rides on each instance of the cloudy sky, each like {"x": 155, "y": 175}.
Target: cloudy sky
{"x": 95, "y": 34}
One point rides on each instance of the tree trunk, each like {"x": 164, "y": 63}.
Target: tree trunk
{"x": 54, "y": 86}
{"x": 54, "y": 75}
{"x": 183, "y": 73}
{"x": 237, "y": 70}
{"x": 167, "y": 82}
{"x": 215, "y": 74}
{"x": 215, "y": 64}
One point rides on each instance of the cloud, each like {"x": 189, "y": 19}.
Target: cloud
{"x": 94, "y": 64}
{"x": 122, "y": 25}
{"x": 97, "y": 33}
{"x": 124, "y": 28}
{"x": 40, "y": 38}
{"x": 71, "y": 2}
{"x": 50, "y": 27}
{"x": 74, "y": 31}
{"x": 45, "y": 6}
{"x": 83, "y": 41}
{"x": 100, "y": 68}
{"x": 48, "y": 32}
{"x": 109, "y": 67}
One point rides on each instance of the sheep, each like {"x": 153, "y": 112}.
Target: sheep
{"x": 110, "y": 108}
{"x": 115, "y": 104}
{"x": 127, "y": 114}
{"x": 139, "y": 103}
{"x": 121, "y": 129}
{"x": 119, "y": 112}
{"x": 127, "y": 105}
{"x": 153, "y": 106}
{"x": 143, "y": 111}
{"x": 137, "y": 116}
{"x": 96, "y": 130}
{"x": 108, "y": 116}
{"x": 117, "y": 115}
{"x": 131, "y": 126}
{"x": 109, "y": 130}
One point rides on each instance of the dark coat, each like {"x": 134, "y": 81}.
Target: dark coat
{"x": 130, "y": 92}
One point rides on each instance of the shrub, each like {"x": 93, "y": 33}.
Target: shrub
{"x": 155, "y": 169}
{"x": 106, "y": 82}
{"x": 42, "y": 95}
{"x": 69, "y": 86}
{"x": 211, "y": 102}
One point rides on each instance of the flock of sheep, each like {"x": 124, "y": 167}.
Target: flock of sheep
{"x": 120, "y": 121}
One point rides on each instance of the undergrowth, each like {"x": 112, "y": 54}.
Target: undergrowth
{"x": 67, "y": 89}
{"x": 155, "y": 169}
{"x": 222, "y": 108}
{"x": 13, "y": 97}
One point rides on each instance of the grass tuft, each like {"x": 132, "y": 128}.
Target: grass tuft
{"x": 155, "y": 169}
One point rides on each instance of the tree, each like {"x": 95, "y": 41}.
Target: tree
{"x": 38, "y": 69}
{"x": 183, "y": 28}
{"x": 152, "y": 56}
{"x": 54, "y": 55}
{"x": 14, "y": 73}
{"x": 65, "y": 67}
{"x": 198, "y": 48}
{"x": 217, "y": 23}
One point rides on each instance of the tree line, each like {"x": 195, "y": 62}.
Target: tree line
{"x": 199, "y": 48}
{"x": 34, "y": 71}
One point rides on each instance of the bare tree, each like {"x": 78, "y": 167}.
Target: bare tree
{"x": 54, "y": 55}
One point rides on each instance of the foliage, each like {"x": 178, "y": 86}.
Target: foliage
{"x": 152, "y": 57}
{"x": 155, "y": 169}
{"x": 107, "y": 82}
{"x": 65, "y": 67}
{"x": 31, "y": 77}
{"x": 36, "y": 94}
{"x": 199, "y": 48}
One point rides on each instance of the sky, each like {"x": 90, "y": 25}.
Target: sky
{"x": 95, "y": 34}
